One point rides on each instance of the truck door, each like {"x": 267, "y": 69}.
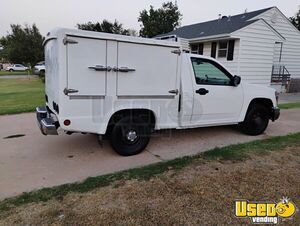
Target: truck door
{"x": 216, "y": 100}
{"x": 86, "y": 66}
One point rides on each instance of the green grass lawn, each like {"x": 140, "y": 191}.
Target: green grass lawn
{"x": 289, "y": 105}
{"x": 20, "y": 95}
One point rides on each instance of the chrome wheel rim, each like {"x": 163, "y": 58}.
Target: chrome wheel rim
{"x": 131, "y": 136}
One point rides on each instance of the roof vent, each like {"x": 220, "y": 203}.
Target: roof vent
{"x": 220, "y": 16}
{"x": 224, "y": 17}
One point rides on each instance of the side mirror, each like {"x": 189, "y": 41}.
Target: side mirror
{"x": 236, "y": 80}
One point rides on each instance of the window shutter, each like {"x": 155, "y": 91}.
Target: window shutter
{"x": 230, "y": 50}
{"x": 200, "y": 50}
{"x": 213, "y": 49}
{"x": 194, "y": 49}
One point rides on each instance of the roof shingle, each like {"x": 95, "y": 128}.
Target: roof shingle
{"x": 216, "y": 27}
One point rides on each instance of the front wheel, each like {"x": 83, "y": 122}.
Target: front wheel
{"x": 11, "y": 70}
{"x": 256, "y": 120}
{"x": 130, "y": 135}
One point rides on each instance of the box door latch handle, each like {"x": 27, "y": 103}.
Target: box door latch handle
{"x": 123, "y": 69}
{"x": 68, "y": 91}
{"x": 100, "y": 68}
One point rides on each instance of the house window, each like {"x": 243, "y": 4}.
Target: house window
{"x": 197, "y": 48}
{"x": 223, "y": 49}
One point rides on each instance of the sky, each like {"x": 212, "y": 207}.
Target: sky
{"x": 67, "y": 13}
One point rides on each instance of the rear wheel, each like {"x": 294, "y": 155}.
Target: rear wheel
{"x": 256, "y": 121}
{"x": 130, "y": 135}
{"x": 11, "y": 70}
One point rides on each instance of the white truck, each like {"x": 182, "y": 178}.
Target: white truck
{"x": 126, "y": 87}
{"x": 39, "y": 68}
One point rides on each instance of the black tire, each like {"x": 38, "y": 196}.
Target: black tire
{"x": 11, "y": 70}
{"x": 130, "y": 135}
{"x": 256, "y": 120}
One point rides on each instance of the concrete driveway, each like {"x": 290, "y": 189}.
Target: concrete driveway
{"x": 34, "y": 161}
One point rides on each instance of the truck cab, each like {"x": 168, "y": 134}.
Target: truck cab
{"x": 126, "y": 87}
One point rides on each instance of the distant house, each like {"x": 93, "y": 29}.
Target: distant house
{"x": 261, "y": 46}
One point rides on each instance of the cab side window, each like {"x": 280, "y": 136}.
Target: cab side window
{"x": 210, "y": 73}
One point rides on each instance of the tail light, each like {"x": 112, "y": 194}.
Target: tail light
{"x": 67, "y": 122}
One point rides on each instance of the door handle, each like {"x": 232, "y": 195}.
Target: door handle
{"x": 202, "y": 91}
{"x": 100, "y": 68}
{"x": 67, "y": 91}
{"x": 175, "y": 91}
{"x": 123, "y": 69}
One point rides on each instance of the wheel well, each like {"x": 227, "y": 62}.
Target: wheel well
{"x": 146, "y": 114}
{"x": 42, "y": 72}
{"x": 262, "y": 101}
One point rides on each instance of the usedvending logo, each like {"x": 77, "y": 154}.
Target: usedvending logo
{"x": 265, "y": 212}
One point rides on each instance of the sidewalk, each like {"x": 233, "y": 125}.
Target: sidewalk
{"x": 18, "y": 76}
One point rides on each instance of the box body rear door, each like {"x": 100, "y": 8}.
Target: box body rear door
{"x": 86, "y": 63}
{"x": 154, "y": 70}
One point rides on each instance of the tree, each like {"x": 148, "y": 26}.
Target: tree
{"x": 3, "y": 52}
{"x": 296, "y": 20}
{"x": 23, "y": 45}
{"x": 159, "y": 21}
{"x": 107, "y": 27}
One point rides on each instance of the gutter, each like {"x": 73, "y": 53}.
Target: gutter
{"x": 212, "y": 38}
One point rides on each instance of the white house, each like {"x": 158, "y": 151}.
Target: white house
{"x": 263, "y": 46}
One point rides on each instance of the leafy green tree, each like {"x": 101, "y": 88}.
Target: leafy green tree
{"x": 296, "y": 20}
{"x": 23, "y": 45}
{"x": 107, "y": 27}
{"x": 159, "y": 21}
{"x": 3, "y": 52}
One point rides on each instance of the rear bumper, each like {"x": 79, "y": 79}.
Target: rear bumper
{"x": 275, "y": 113}
{"x": 45, "y": 122}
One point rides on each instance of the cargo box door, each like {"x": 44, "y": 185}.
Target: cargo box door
{"x": 86, "y": 67}
{"x": 146, "y": 70}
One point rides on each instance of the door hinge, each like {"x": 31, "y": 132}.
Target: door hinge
{"x": 68, "y": 91}
{"x": 177, "y": 51}
{"x": 175, "y": 91}
{"x": 67, "y": 40}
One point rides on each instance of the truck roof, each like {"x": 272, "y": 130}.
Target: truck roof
{"x": 55, "y": 33}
